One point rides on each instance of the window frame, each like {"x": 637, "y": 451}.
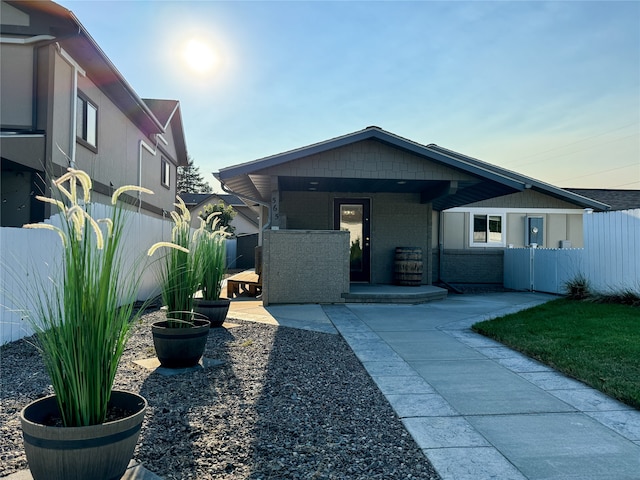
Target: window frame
{"x": 82, "y": 123}
{"x": 165, "y": 173}
{"x": 488, "y": 243}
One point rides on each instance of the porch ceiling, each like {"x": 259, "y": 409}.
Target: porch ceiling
{"x": 361, "y": 185}
{"x": 442, "y": 194}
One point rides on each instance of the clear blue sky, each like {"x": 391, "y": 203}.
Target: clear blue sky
{"x": 548, "y": 89}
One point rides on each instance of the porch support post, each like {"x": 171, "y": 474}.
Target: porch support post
{"x": 275, "y": 203}
{"x": 428, "y": 258}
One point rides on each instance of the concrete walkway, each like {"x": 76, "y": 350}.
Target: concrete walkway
{"x": 477, "y": 409}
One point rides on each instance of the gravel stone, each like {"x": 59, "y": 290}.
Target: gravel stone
{"x": 286, "y": 404}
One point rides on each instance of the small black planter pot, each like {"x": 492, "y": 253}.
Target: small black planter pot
{"x": 215, "y": 310}
{"x": 77, "y": 453}
{"x": 180, "y": 347}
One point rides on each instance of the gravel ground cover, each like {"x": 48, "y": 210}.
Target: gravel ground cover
{"x": 286, "y": 404}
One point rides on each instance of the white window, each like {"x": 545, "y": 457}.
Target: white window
{"x": 87, "y": 122}
{"x": 487, "y": 230}
{"x": 165, "y": 173}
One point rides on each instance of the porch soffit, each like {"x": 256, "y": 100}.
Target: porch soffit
{"x": 249, "y": 187}
{"x": 442, "y": 194}
{"x": 26, "y": 150}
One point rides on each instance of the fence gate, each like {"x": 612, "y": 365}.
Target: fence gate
{"x": 541, "y": 269}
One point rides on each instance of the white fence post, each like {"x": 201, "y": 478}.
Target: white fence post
{"x": 532, "y": 268}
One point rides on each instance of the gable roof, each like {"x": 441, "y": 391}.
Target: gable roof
{"x": 192, "y": 199}
{"x": 168, "y": 113}
{"x": 162, "y": 109}
{"x": 491, "y": 181}
{"x": 617, "y": 199}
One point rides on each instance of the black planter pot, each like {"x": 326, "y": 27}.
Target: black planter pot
{"x": 100, "y": 452}
{"x": 215, "y": 310}
{"x": 180, "y": 347}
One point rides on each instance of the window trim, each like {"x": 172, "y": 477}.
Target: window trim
{"x": 488, "y": 244}
{"x": 84, "y": 102}
{"x": 165, "y": 173}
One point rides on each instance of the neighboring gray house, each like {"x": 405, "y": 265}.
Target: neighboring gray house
{"x": 388, "y": 192}
{"x": 63, "y": 103}
{"x": 241, "y": 248}
{"x": 245, "y": 222}
{"x": 616, "y": 199}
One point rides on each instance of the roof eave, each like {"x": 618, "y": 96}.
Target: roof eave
{"x": 125, "y": 93}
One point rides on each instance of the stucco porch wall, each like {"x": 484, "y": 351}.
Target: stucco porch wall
{"x": 397, "y": 220}
{"x": 304, "y": 266}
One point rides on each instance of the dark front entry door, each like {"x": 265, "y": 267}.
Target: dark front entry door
{"x": 353, "y": 215}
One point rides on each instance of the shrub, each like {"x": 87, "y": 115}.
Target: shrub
{"x": 578, "y": 288}
{"x": 224, "y": 217}
{"x": 624, "y": 297}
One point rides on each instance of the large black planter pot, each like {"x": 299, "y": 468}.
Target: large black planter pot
{"x": 180, "y": 347}
{"x": 215, "y": 310}
{"x": 100, "y": 452}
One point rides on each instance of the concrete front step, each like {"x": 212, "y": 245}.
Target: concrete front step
{"x": 370, "y": 293}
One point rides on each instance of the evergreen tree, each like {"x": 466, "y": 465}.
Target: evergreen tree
{"x": 190, "y": 180}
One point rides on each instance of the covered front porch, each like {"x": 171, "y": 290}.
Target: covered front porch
{"x": 335, "y": 214}
{"x": 312, "y": 266}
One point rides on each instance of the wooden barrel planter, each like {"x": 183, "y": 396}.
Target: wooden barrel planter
{"x": 77, "y": 453}
{"x": 215, "y": 310}
{"x": 180, "y": 347}
{"x": 408, "y": 266}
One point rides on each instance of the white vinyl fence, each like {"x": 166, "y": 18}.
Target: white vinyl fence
{"x": 612, "y": 250}
{"x": 26, "y": 255}
{"x": 610, "y": 259}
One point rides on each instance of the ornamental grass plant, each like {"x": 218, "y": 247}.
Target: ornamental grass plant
{"x": 211, "y": 256}
{"x": 179, "y": 271}
{"x": 82, "y": 321}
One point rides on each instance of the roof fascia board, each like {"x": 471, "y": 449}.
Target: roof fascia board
{"x": 126, "y": 86}
{"x": 173, "y": 112}
{"x": 53, "y": 9}
{"x": 82, "y": 31}
{"x": 545, "y": 187}
{"x": 178, "y": 137}
{"x": 498, "y": 210}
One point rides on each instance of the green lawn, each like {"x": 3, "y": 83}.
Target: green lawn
{"x": 598, "y": 344}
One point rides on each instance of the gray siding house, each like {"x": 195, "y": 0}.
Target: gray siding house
{"x": 245, "y": 222}
{"x": 64, "y": 104}
{"x": 333, "y": 214}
